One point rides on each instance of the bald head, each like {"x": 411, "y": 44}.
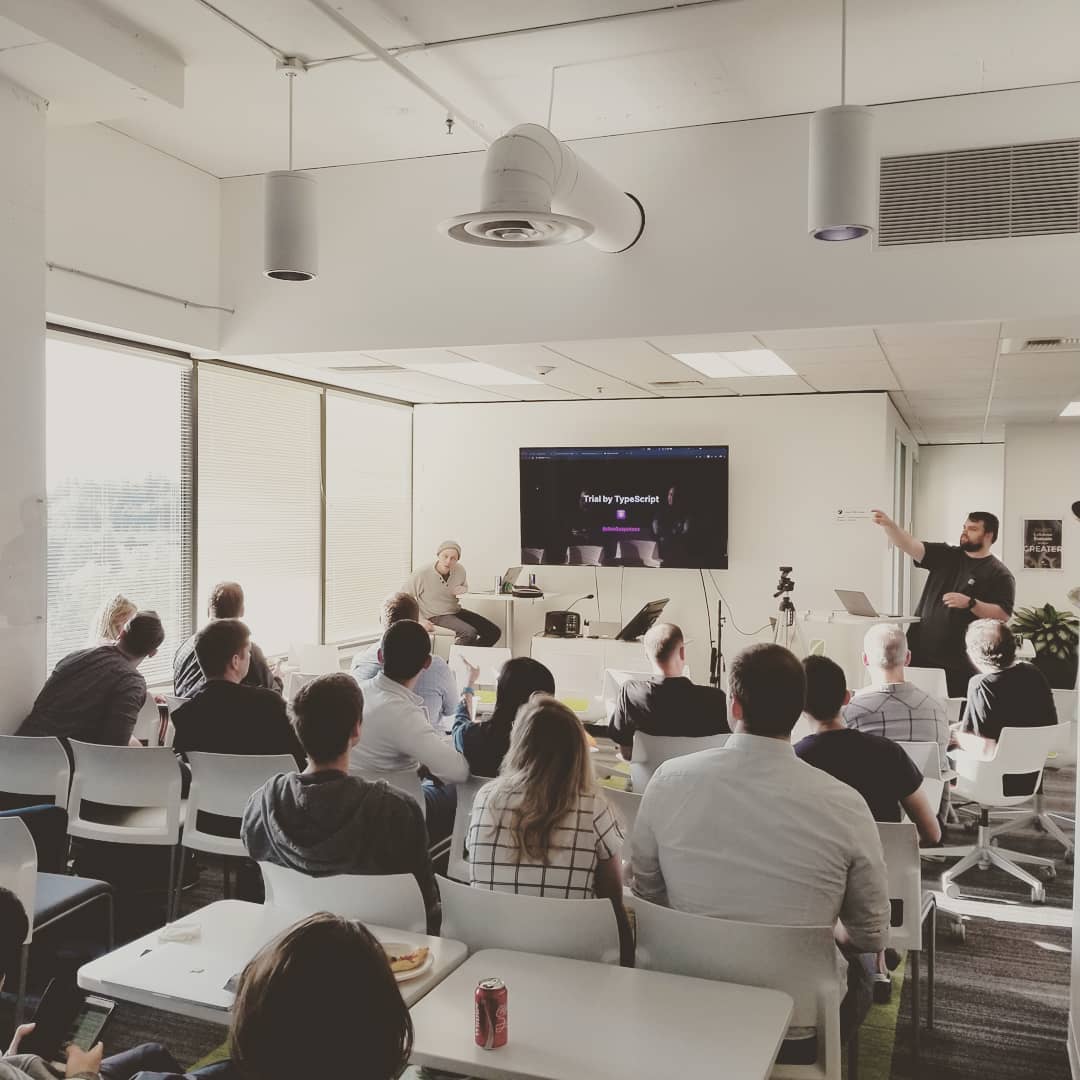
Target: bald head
{"x": 885, "y": 652}
{"x": 990, "y": 644}
{"x": 665, "y": 647}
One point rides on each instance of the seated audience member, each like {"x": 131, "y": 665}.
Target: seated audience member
{"x": 668, "y": 703}
{"x": 95, "y": 695}
{"x": 84, "y": 1064}
{"x": 324, "y": 821}
{"x": 437, "y": 589}
{"x": 891, "y": 707}
{"x": 543, "y": 827}
{"x": 1006, "y": 693}
{"x": 223, "y": 716}
{"x": 484, "y": 742}
{"x": 397, "y": 734}
{"x": 320, "y": 1001}
{"x": 226, "y": 602}
{"x": 436, "y": 685}
{"x": 110, "y": 620}
{"x": 749, "y": 832}
{"x": 878, "y": 769}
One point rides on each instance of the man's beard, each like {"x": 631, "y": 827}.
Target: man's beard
{"x": 970, "y": 545}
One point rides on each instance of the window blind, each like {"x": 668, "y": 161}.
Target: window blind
{"x": 118, "y": 476}
{"x": 368, "y": 510}
{"x": 259, "y": 500}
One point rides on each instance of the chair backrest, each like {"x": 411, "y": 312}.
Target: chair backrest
{"x": 801, "y": 961}
{"x": 615, "y": 679}
{"x": 383, "y": 899}
{"x": 585, "y": 554}
{"x": 125, "y": 776}
{"x": 926, "y": 757}
{"x": 18, "y": 865}
{"x": 624, "y": 805}
{"x": 639, "y": 552}
{"x": 1014, "y": 773}
{"x": 34, "y": 766}
{"x": 315, "y": 659}
{"x": 1065, "y": 704}
{"x": 223, "y": 783}
{"x": 489, "y": 660}
{"x": 404, "y": 780}
{"x": 929, "y": 679}
{"x": 577, "y": 929}
{"x": 651, "y": 751}
{"x": 900, "y": 843}
{"x": 458, "y": 867}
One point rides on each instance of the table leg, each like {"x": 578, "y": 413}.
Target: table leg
{"x": 916, "y": 995}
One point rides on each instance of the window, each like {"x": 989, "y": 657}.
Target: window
{"x": 259, "y": 519}
{"x": 118, "y": 476}
{"x": 368, "y": 510}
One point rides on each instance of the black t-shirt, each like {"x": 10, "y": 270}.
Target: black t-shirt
{"x": 1017, "y": 696}
{"x": 878, "y": 769}
{"x": 668, "y": 706}
{"x": 938, "y": 637}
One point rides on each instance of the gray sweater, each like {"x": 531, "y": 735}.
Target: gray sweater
{"x": 331, "y": 823}
{"x": 435, "y": 596}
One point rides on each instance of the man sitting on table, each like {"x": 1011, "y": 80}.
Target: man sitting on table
{"x": 436, "y": 685}
{"x": 438, "y": 589}
{"x": 668, "y": 703}
{"x": 324, "y": 821}
{"x": 1005, "y": 693}
{"x": 397, "y": 734}
{"x": 892, "y": 707}
{"x": 748, "y": 832}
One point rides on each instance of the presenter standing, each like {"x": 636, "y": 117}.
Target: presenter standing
{"x": 437, "y": 589}
{"x": 966, "y": 583}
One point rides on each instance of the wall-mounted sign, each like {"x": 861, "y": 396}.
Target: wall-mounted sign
{"x": 1042, "y": 544}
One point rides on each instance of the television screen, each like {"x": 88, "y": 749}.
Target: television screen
{"x": 625, "y": 506}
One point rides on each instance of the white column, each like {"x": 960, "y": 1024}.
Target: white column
{"x": 22, "y": 402}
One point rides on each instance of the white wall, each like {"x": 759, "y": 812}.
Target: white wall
{"x": 1042, "y": 480}
{"x": 725, "y": 246}
{"x": 953, "y": 481}
{"x": 121, "y": 210}
{"x": 22, "y": 404}
{"x": 794, "y": 461}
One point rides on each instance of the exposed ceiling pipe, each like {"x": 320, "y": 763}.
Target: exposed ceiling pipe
{"x": 537, "y": 192}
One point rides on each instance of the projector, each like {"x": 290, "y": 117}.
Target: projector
{"x": 562, "y": 624}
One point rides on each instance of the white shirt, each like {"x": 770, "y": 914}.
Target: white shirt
{"x": 395, "y": 734}
{"x": 749, "y": 832}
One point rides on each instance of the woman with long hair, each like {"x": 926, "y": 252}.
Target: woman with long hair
{"x": 485, "y": 742}
{"x": 110, "y": 619}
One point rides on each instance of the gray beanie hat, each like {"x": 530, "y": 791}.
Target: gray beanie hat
{"x": 453, "y": 544}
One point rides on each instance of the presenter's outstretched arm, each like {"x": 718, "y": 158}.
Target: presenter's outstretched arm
{"x": 900, "y": 537}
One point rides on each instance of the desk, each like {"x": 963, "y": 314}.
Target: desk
{"x": 578, "y": 665}
{"x": 570, "y": 1019}
{"x": 511, "y": 605}
{"x": 843, "y": 635}
{"x": 189, "y": 978}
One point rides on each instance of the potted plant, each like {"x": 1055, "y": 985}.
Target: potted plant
{"x": 1054, "y": 634}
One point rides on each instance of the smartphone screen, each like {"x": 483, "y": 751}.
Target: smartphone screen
{"x": 88, "y": 1024}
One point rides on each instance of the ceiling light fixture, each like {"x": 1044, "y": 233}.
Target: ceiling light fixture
{"x": 291, "y": 229}
{"x": 537, "y": 192}
{"x": 748, "y": 363}
{"x": 1072, "y": 409}
{"x": 841, "y": 172}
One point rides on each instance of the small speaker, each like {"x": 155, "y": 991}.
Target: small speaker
{"x": 562, "y": 624}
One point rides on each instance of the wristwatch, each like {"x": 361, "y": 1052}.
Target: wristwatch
{"x": 468, "y": 690}
{"x": 971, "y": 603}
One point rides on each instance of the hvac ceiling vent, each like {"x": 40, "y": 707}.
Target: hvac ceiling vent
{"x": 667, "y": 384}
{"x": 982, "y": 194}
{"x": 1040, "y": 345}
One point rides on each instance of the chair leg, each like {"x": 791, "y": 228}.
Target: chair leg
{"x": 916, "y": 1009}
{"x": 24, "y": 967}
{"x": 930, "y": 959}
{"x": 1002, "y": 860}
{"x": 1053, "y": 830}
{"x": 225, "y": 876}
{"x": 853, "y": 1056}
{"x": 172, "y": 897}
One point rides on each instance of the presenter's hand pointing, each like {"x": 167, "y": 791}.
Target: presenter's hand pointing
{"x": 879, "y": 517}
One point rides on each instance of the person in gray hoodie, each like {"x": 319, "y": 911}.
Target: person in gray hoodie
{"x": 324, "y": 821}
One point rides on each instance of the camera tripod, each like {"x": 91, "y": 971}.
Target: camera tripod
{"x": 785, "y": 631}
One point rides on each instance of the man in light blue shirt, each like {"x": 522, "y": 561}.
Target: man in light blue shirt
{"x": 436, "y": 685}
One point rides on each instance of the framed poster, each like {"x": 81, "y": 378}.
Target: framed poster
{"x": 1042, "y": 543}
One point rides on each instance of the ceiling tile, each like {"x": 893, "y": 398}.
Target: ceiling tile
{"x": 691, "y": 343}
{"x": 633, "y": 360}
{"x": 1023, "y": 329}
{"x": 769, "y": 384}
{"x": 808, "y": 359}
{"x": 851, "y": 377}
{"x": 956, "y": 352}
{"x": 836, "y": 337}
{"x": 915, "y": 333}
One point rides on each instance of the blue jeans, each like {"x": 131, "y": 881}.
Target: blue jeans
{"x": 440, "y": 805}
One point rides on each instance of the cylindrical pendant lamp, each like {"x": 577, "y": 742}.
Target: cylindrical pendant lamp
{"x": 292, "y": 227}
{"x": 842, "y": 175}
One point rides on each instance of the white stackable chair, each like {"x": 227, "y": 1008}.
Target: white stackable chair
{"x": 489, "y": 659}
{"x": 1016, "y": 767}
{"x": 144, "y": 790}
{"x": 577, "y": 929}
{"x": 35, "y": 766}
{"x": 1063, "y": 754}
{"x": 624, "y": 805}
{"x": 801, "y": 961}
{"x": 222, "y": 784}
{"x": 586, "y": 554}
{"x": 313, "y": 659}
{"x": 639, "y": 553}
{"x": 651, "y": 751}
{"x": 384, "y": 899}
{"x": 911, "y": 908}
{"x": 614, "y": 680}
{"x": 926, "y": 756}
{"x": 18, "y": 872}
{"x": 458, "y": 867}
{"x": 932, "y": 680}
{"x": 407, "y": 781}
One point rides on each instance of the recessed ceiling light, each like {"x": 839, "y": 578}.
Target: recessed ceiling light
{"x": 475, "y": 373}
{"x": 735, "y": 365}
{"x": 1072, "y": 409}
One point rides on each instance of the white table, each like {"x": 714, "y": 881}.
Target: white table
{"x": 189, "y": 978}
{"x": 510, "y": 605}
{"x": 570, "y": 1019}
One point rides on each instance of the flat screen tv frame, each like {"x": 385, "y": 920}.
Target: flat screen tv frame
{"x": 659, "y": 506}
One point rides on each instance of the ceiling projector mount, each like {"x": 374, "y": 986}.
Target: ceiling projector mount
{"x": 536, "y": 192}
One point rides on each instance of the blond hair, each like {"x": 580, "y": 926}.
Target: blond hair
{"x": 545, "y": 771}
{"x": 111, "y": 618}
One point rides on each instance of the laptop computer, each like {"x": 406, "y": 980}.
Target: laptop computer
{"x": 640, "y": 623}
{"x": 858, "y": 603}
{"x": 511, "y": 576}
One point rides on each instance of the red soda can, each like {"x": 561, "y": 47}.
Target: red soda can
{"x": 491, "y": 1025}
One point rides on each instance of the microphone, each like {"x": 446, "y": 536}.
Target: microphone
{"x": 589, "y": 596}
